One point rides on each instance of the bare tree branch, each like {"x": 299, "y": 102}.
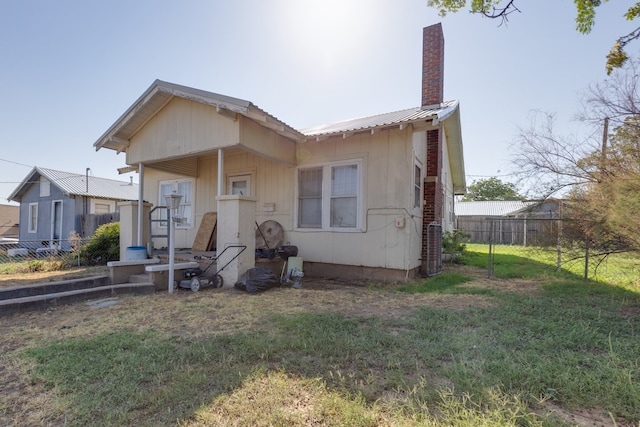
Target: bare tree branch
{"x": 500, "y": 12}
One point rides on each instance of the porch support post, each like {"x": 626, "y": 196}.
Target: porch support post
{"x": 140, "y": 203}
{"x": 236, "y": 227}
{"x": 220, "y": 172}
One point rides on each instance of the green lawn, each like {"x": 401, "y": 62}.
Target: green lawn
{"x": 621, "y": 269}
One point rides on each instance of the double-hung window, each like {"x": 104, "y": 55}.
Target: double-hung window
{"x": 33, "y": 218}
{"x": 330, "y": 196}
{"x": 184, "y": 188}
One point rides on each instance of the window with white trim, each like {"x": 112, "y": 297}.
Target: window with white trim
{"x": 185, "y": 188}
{"x": 329, "y": 196}
{"x": 45, "y": 187}
{"x": 239, "y": 185}
{"x": 33, "y": 218}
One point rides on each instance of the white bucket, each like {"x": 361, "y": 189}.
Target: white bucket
{"x": 294, "y": 262}
{"x": 136, "y": 253}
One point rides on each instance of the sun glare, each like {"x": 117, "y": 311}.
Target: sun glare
{"x": 327, "y": 31}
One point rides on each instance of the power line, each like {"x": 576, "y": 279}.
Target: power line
{"x": 16, "y": 163}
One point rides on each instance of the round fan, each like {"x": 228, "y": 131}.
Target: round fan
{"x": 269, "y": 235}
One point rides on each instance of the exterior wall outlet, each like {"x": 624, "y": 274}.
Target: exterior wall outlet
{"x": 400, "y": 222}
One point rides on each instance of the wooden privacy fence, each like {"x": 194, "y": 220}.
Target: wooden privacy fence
{"x": 89, "y": 223}
{"x": 511, "y": 231}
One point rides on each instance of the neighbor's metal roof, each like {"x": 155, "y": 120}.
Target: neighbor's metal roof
{"x": 491, "y": 208}
{"x": 76, "y": 184}
{"x": 436, "y": 113}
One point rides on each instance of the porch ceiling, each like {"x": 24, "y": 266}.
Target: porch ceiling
{"x": 187, "y": 166}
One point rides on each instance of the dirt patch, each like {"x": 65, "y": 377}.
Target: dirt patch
{"x": 481, "y": 280}
{"x": 594, "y": 417}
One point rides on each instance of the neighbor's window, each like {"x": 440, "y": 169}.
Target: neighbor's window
{"x": 417, "y": 186}
{"x": 45, "y": 187}
{"x": 101, "y": 208}
{"x": 329, "y": 196}
{"x": 185, "y": 188}
{"x": 33, "y": 218}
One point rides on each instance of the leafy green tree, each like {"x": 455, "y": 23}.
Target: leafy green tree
{"x": 585, "y": 19}
{"x": 491, "y": 189}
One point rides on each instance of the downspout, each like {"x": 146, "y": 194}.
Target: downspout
{"x": 140, "y": 203}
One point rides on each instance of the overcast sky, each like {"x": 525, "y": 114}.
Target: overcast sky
{"x": 70, "y": 68}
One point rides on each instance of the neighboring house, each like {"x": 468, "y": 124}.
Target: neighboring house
{"x": 366, "y": 197}
{"x": 529, "y": 222}
{"x": 9, "y": 218}
{"x": 53, "y": 203}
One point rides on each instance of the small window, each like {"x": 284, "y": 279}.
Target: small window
{"x": 33, "y": 218}
{"x": 417, "y": 186}
{"x": 45, "y": 187}
{"x": 239, "y": 185}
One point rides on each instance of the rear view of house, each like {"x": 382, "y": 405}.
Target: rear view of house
{"x": 53, "y": 204}
{"x": 367, "y": 197}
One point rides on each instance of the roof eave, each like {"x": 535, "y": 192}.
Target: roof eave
{"x": 225, "y": 105}
{"x": 452, "y": 126}
{"x": 16, "y": 195}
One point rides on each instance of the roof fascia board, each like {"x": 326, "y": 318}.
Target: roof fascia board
{"x": 23, "y": 185}
{"x": 206, "y": 98}
{"x": 159, "y": 86}
{"x": 453, "y": 129}
{"x": 417, "y": 124}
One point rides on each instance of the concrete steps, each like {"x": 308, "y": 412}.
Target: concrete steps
{"x": 140, "y": 278}
{"x": 39, "y": 297}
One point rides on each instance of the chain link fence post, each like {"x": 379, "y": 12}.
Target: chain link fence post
{"x": 491, "y": 248}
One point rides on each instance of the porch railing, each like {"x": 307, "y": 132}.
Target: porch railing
{"x": 158, "y": 220}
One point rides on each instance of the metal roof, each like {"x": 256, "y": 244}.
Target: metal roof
{"x": 118, "y": 136}
{"x": 435, "y": 113}
{"x": 78, "y": 185}
{"x": 447, "y": 113}
{"x": 491, "y": 208}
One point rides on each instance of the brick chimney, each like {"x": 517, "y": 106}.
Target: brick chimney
{"x": 432, "y": 65}
{"x": 432, "y": 94}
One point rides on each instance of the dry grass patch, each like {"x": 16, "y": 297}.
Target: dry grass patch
{"x": 378, "y": 356}
{"x": 10, "y": 279}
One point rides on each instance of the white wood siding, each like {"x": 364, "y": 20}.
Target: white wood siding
{"x": 388, "y": 164}
{"x": 180, "y": 129}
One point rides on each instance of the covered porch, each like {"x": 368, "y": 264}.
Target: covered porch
{"x": 224, "y": 156}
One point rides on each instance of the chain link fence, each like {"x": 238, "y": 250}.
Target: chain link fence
{"x": 84, "y": 248}
{"x": 553, "y": 240}
{"x": 68, "y": 251}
